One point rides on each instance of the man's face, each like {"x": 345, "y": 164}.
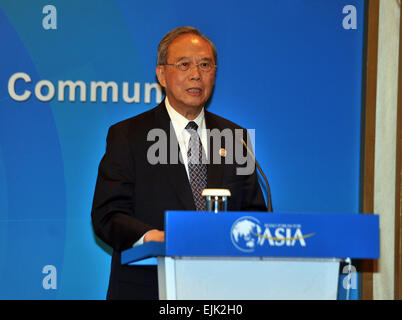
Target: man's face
{"x": 187, "y": 91}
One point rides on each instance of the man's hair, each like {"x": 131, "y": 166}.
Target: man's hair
{"x": 175, "y": 33}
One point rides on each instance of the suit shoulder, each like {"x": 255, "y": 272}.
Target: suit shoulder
{"x": 141, "y": 121}
{"x": 223, "y": 122}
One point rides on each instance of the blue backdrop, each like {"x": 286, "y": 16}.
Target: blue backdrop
{"x": 289, "y": 69}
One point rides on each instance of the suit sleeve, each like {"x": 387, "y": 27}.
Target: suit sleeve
{"x": 113, "y": 208}
{"x": 253, "y": 199}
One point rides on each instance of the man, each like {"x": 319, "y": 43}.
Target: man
{"x": 132, "y": 192}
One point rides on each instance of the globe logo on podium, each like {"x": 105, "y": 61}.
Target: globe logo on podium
{"x": 244, "y": 233}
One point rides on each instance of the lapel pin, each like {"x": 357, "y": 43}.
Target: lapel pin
{"x": 222, "y": 152}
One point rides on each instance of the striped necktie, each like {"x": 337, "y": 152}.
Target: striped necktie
{"x": 196, "y": 169}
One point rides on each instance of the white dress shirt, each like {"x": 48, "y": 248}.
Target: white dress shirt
{"x": 179, "y": 123}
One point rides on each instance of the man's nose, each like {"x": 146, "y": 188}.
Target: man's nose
{"x": 195, "y": 73}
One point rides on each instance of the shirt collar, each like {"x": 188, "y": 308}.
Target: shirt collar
{"x": 179, "y": 121}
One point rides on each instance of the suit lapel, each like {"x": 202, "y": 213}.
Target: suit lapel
{"x": 174, "y": 170}
{"x": 214, "y": 171}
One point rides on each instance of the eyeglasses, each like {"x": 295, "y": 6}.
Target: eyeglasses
{"x": 204, "y": 66}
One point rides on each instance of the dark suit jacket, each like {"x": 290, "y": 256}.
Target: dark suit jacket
{"x": 131, "y": 195}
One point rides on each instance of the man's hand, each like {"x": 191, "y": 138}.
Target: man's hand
{"x": 154, "y": 235}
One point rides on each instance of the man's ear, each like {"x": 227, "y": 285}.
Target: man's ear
{"x": 160, "y": 74}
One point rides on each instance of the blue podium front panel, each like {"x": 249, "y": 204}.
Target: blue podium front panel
{"x": 262, "y": 234}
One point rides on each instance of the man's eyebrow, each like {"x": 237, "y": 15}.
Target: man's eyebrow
{"x": 206, "y": 59}
{"x": 182, "y": 58}
{"x": 188, "y": 58}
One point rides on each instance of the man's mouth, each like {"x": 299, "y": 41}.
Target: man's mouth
{"x": 194, "y": 91}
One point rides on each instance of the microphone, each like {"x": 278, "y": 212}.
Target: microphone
{"x": 270, "y": 209}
